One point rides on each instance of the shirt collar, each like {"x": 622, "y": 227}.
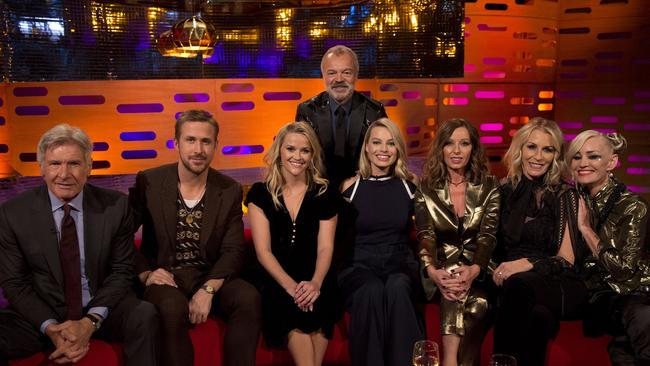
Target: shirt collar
{"x": 76, "y": 203}
{"x": 347, "y": 106}
{"x": 604, "y": 192}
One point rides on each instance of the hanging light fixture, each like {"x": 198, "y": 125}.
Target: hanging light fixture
{"x": 193, "y": 34}
{"x": 188, "y": 38}
{"x": 166, "y": 47}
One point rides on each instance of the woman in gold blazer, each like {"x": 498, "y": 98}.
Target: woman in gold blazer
{"x": 613, "y": 222}
{"x": 456, "y": 212}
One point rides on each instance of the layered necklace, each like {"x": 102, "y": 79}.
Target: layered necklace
{"x": 187, "y": 213}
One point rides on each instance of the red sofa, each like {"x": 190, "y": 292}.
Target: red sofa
{"x": 570, "y": 348}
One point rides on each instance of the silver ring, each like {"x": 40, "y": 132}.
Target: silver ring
{"x": 500, "y": 273}
{"x": 302, "y": 290}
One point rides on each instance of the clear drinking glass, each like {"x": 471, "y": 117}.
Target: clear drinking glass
{"x": 499, "y": 359}
{"x": 425, "y": 353}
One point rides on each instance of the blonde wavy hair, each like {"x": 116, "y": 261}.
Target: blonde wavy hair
{"x": 399, "y": 168}
{"x": 512, "y": 158}
{"x": 435, "y": 170}
{"x": 274, "y": 179}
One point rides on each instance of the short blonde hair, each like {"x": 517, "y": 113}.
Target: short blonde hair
{"x": 512, "y": 158}
{"x": 399, "y": 168}
{"x": 615, "y": 141}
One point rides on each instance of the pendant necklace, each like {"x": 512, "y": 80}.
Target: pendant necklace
{"x": 187, "y": 212}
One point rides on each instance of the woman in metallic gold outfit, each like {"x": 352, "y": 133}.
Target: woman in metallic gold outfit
{"x": 456, "y": 210}
{"x": 539, "y": 246}
{"x": 613, "y": 222}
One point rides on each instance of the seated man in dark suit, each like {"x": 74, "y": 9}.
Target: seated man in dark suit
{"x": 67, "y": 263}
{"x": 193, "y": 246}
{"x": 340, "y": 115}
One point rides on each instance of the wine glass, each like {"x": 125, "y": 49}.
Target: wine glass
{"x": 425, "y": 353}
{"x": 500, "y": 359}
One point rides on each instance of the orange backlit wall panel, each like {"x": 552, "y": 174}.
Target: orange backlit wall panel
{"x": 582, "y": 62}
{"x": 132, "y": 122}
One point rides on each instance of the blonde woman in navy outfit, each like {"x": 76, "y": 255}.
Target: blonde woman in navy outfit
{"x": 382, "y": 271}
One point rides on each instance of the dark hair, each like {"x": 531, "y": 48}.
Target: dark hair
{"x": 195, "y": 115}
{"x": 435, "y": 170}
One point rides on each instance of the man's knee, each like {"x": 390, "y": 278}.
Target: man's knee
{"x": 170, "y": 302}
{"x": 144, "y": 317}
{"x": 18, "y": 338}
{"x": 244, "y": 297}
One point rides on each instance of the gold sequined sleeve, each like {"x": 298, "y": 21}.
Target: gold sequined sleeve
{"x": 486, "y": 238}
{"x": 621, "y": 242}
{"x": 425, "y": 228}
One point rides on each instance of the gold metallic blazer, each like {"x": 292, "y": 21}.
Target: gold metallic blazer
{"x": 621, "y": 264}
{"x": 441, "y": 243}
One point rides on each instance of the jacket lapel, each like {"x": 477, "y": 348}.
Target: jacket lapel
{"x": 472, "y": 197}
{"x": 358, "y": 113}
{"x": 323, "y": 121}
{"x": 167, "y": 200}
{"x": 445, "y": 198}
{"x": 212, "y": 208}
{"x": 43, "y": 218}
{"x": 93, "y": 236}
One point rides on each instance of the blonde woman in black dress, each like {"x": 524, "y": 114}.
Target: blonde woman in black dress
{"x": 293, "y": 219}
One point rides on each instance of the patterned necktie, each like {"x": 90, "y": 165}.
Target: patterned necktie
{"x": 339, "y": 146}
{"x": 70, "y": 263}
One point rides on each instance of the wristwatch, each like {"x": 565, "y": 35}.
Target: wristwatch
{"x": 96, "y": 320}
{"x": 209, "y": 289}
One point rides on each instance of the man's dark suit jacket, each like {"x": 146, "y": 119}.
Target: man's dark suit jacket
{"x": 316, "y": 111}
{"x": 30, "y": 269}
{"x": 153, "y": 200}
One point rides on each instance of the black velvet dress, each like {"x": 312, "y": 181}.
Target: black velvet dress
{"x": 294, "y": 245}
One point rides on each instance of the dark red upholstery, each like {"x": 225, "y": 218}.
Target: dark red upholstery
{"x": 570, "y": 348}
